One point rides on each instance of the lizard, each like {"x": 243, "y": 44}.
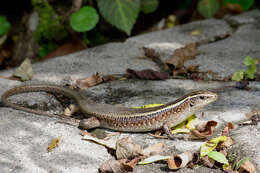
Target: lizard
{"x": 120, "y": 118}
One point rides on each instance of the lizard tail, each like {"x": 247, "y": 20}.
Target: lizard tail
{"x": 38, "y": 88}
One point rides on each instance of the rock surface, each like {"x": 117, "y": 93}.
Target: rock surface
{"x": 24, "y": 137}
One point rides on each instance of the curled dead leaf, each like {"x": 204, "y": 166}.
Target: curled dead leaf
{"x": 154, "y": 149}
{"x": 118, "y": 166}
{"x": 150, "y": 53}
{"x": 254, "y": 117}
{"x": 147, "y": 74}
{"x": 181, "y": 55}
{"x": 180, "y": 161}
{"x": 203, "y": 130}
{"x": 229, "y": 169}
{"x": 129, "y": 165}
{"x": 247, "y": 167}
{"x": 208, "y": 162}
{"x": 24, "y": 71}
{"x": 89, "y": 81}
{"x": 112, "y": 166}
{"x": 227, "y": 143}
{"x": 227, "y": 129}
{"x": 110, "y": 145}
{"x": 126, "y": 149}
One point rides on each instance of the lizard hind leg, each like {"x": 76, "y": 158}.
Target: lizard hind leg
{"x": 168, "y": 132}
{"x": 89, "y": 123}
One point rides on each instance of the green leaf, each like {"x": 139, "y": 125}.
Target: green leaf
{"x": 149, "y": 6}
{"x": 185, "y": 126}
{"x": 211, "y": 145}
{"x": 238, "y": 75}
{"x": 4, "y": 25}
{"x": 152, "y": 159}
{"x": 85, "y": 19}
{"x": 219, "y": 157}
{"x": 208, "y": 8}
{"x": 244, "y": 4}
{"x": 120, "y": 13}
{"x": 250, "y": 71}
{"x": 249, "y": 61}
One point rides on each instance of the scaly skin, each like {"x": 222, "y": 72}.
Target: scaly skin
{"x": 121, "y": 118}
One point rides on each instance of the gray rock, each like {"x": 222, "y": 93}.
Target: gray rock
{"x": 249, "y": 17}
{"x": 210, "y": 30}
{"x": 24, "y": 137}
{"x": 247, "y": 141}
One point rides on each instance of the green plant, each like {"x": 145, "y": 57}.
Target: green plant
{"x": 120, "y": 13}
{"x": 4, "y": 25}
{"x": 85, "y": 19}
{"x": 248, "y": 73}
{"x": 50, "y": 26}
{"x": 208, "y": 8}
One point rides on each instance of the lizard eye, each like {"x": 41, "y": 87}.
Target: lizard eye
{"x": 191, "y": 103}
{"x": 202, "y": 97}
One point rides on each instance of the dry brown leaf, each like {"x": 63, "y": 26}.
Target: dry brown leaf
{"x": 126, "y": 149}
{"x": 243, "y": 85}
{"x": 206, "y": 161}
{"x": 110, "y": 145}
{"x": 155, "y": 149}
{"x": 195, "y": 160}
{"x": 203, "y": 130}
{"x": 89, "y": 81}
{"x": 112, "y": 166}
{"x": 24, "y": 71}
{"x": 247, "y": 167}
{"x": 226, "y": 130}
{"x": 229, "y": 169}
{"x": 94, "y": 80}
{"x": 150, "y": 53}
{"x": 54, "y": 143}
{"x": 118, "y": 166}
{"x": 147, "y": 74}
{"x": 108, "y": 78}
{"x": 180, "y": 161}
{"x": 229, "y": 141}
{"x": 129, "y": 165}
{"x": 254, "y": 117}
{"x": 190, "y": 69}
{"x": 65, "y": 49}
{"x": 181, "y": 55}
{"x": 233, "y": 8}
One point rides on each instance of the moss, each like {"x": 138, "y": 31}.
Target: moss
{"x": 50, "y": 26}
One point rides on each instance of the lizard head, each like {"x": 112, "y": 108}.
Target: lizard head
{"x": 200, "y": 99}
